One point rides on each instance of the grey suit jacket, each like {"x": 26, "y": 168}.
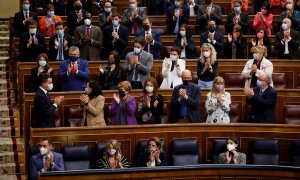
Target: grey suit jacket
{"x": 89, "y": 50}
{"x": 139, "y": 19}
{"x": 241, "y": 159}
{"x": 144, "y": 66}
{"x": 202, "y": 18}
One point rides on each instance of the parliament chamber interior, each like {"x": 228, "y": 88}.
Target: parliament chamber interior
{"x": 191, "y": 149}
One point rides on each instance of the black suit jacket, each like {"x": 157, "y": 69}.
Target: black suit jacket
{"x": 19, "y": 27}
{"x": 53, "y": 52}
{"x": 30, "y": 54}
{"x": 192, "y": 103}
{"x": 120, "y": 45}
{"x": 72, "y": 21}
{"x": 244, "y": 22}
{"x": 293, "y": 45}
{"x": 263, "y": 106}
{"x": 44, "y": 110}
{"x": 219, "y": 41}
{"x": 184, "y": 19}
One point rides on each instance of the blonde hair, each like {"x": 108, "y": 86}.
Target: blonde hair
{"x": 125, "y": 84}
{"x": 261, "y": 49}
{"x": 115, "y": 145}
{"x": 213, "y": 54}
{"x": 157, "y": 142}
{"x": 218, "y": 79}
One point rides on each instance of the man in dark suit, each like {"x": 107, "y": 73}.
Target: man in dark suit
{"x": 287, "y": 41}
{"x": 262, "y": 100}
{"x": 59, "y": 44}
{"x": 46, "y": 160}
{"x": 115, "y": 37}
{"x": 214, "y": 37}
{"x": 138, "y": 64}
{"x": 74, "y": 72}
{"x": 44, "y": 109}
{"x": 185, "y": 101}
{"x": 22, "y": 18}
{"x": 152, "y": 37}
{"x": 106, "y": 16}
{"x": 193, "y": 7}
{"x": 133, "y": 17}
{"x": 237, "y": 17}
{"x": 32, "y": 43}
{"x": 177, "y": 14}
{"x": 208, "y": 11}
{"x": 291, "y": 14}
{"x": 75, "y": 17}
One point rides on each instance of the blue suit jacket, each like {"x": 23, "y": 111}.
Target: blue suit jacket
{"x": 263, "y": 107}
{"x": 154, "y": 48}
{"x": 36, "y": 164}
{"x": 184, "y": 19}
{"x": 74, "y": 82}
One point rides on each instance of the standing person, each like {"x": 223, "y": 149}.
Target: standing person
{"x": 185, "y": 101}
{"x": 276, "y": 6}
{"x": 44, "y": 109}
{"x": 150, "y": 106}
{"x": 47, "y": 23}
{"x": 218, "y": 102}
{"x": 236, "y": 44}
{"x": 42, "y": 66}
{"x": 74, "y": 72}
{"x": 106, "y": 16}
{"x": 291, "y": 14}
{"x": 232, "y": 156}
{"x": 138, "y": 64}
{"x": 123, "y": 106}
{"x": 133, "y": 17}
{"x": 262, "y": 39}
{"x": 113, "y": 158}
{"x": 185, "y": 41}
{"x": 172, "y": 69}
{"x": 89, "y": 39}
{"x": 93, "y": 110}
{"x": 257, "y": 66}
{"x": 207, "y": 66}
{"x": 264, "y": 18}
{"x": 237, "y": 17}
{"x": 244, "y": 5}
{"x": 177, "y": 14}
{"x": 46, "y": 160}
{"x": 22, "y": 18}
{"x": 75, "y": 17}
{"x": 262, "y": 100}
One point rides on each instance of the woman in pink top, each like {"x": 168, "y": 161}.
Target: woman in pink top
{"x": 264, "y": 18}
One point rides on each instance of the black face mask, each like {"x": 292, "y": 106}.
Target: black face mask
{"x": 121, "y": 93}
{"x": 211, "y": 29}
{"x": 110, "y": 62}
{"x": 186, "y": 82}
{"x": 77, "y": 7}
{"x": 146, "y": 27}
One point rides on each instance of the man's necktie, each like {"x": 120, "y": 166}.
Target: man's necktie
{"x": 176, "y": 29}
{"x": 60, "y": 50}
{"x": 32, "y": 36}
{"x": 26, "y": 14}
{"x": 136, "y": 75}
{"x": 115, "y": 30}
{"x": 88, "y": 32}
{"x": 73, "y": 68}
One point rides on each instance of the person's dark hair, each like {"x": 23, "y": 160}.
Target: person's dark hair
{"x": 187, "y": 32}
{"x": 59, "y": 24}
{"x": 116, "y": 57}
{"x": 267, "y": 6}
{"x": 177, "y": 49}
{"x": 44, "y": 55}
{"x": 147, "y": 18}
{"x": 87, "y": 15}
{"x": 31, "y": 23}
{"x": 116, "y": 14}
{"x": 96, "y": 89}
{"x": 209, "y": 20}
{"x": 48, "y": 7}
{"x": 236, "y": 141}
{"x": 140, "y": 40}
{"x": 265, "y": 38}
{"x": 43, "y": 78}
{"x": 238, "y": 28}
{"x": 46, "y": 139}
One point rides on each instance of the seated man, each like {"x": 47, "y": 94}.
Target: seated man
{"x": 46, "y": 160}
{"x": 185, "y": 101}
{"x": 59, "y": 43}
{"x": 291, "y": 14}
{"x": 115, "y": 37}
{"x": 262, "y": 100}
{"x": 177, "y": 14}
{"x": 44, "y": 109}
{"x": 89, "y": 39}
{"x": 74, "y": 72}
{"x": 208, "y": 11}
{"x": 237, "y": 17}
{"x": 138, "y": 64}
{"x": 287, "y": 41}
{"x": 22, "y": 18}
{"x": 152, "y": 37}
{"x": 32, "y": 43}
{"x": 214, "y": 37}
{"x": 133, "y": 17}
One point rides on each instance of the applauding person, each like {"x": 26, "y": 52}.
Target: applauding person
{"x": 232, "y": 156}
{"x": 47, "y": 23}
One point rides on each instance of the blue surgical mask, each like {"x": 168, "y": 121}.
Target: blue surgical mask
{"x": 255, "y": 56}
{"x": 86, "y": 90}
{"x": 115, "y": 23}
{"x": 237, "y": 9}
{"x": 50, "y": 13}
{"x": 60, "y": 32}
{"x": 26, "y": 7}
{"x": 137, "y": 50}
{"x": 284, "y": 26}
{"x": 42, "y": 63}
{"x": 73, "y": 58}
{"x": 107, "y": 10}
{"x": 182, "y": 33}
{"x": 132, "y": 6}
{"x": 173, "y": 57}
{"x": 258, "y": 83}
{"x": 177, "y": 3}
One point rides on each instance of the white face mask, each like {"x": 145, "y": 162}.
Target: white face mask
{"x": 32, "y": 30}
{"x": 152, "y": 149}
{"x": 255, "y": 56}
{"x": 112, "y": 151}
{"x": 206, "y": 54}
{"x": 289, "y": 6}
{"x": 50, "y": 87}
{"x": 230, "y": 147}
{"x": 43, "y": 151}
{"x": 87, "y": 22}
{"x": 149, "y": 89}
{"x": 42, "y": 63}
{"x": 137, "y": 50}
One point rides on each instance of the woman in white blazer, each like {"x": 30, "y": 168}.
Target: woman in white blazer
{"x": 172, "y": 69}
{"x": 256, "y": 66}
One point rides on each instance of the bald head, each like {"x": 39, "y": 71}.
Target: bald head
{"x": 186, "y": 75}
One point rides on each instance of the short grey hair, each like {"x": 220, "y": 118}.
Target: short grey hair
{"x": 269, "y": 79}
{"x": 74, "y": 48}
